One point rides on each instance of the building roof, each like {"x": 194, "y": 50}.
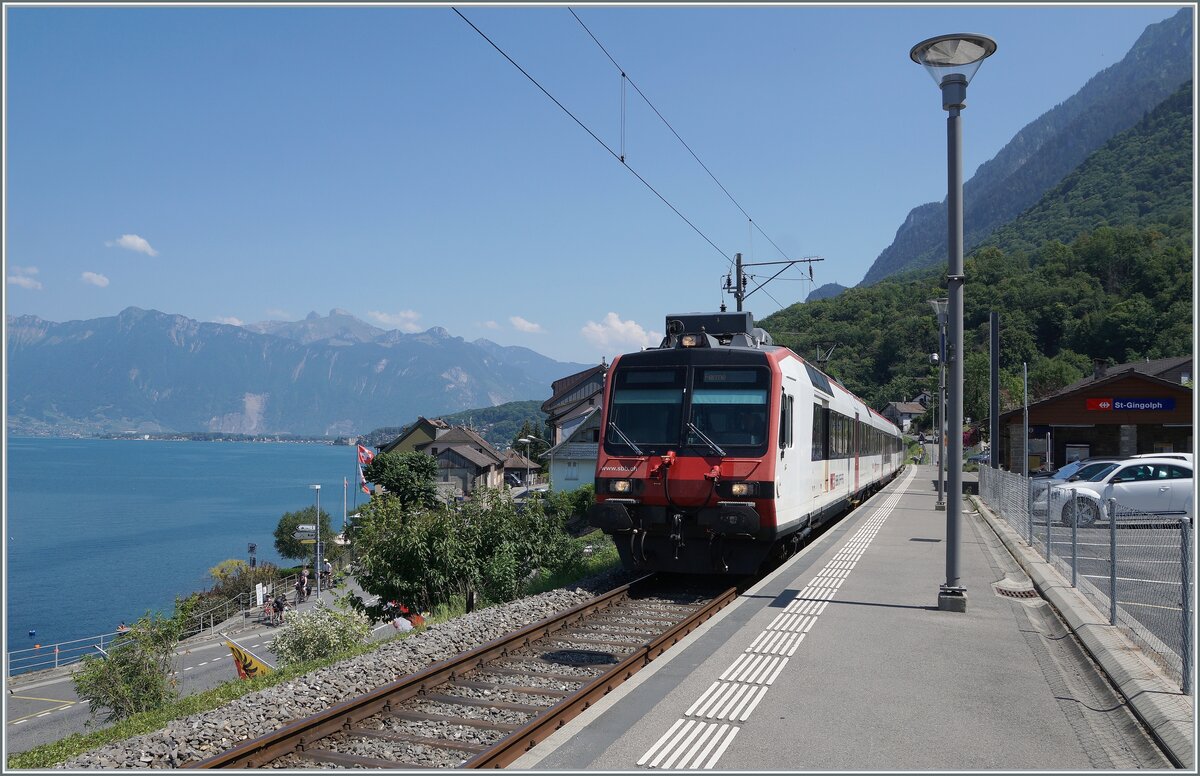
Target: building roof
{"x": 459, "y": 437}
{"x": 908, "y": 407}
{"x": 437, "y": 424}
{"x": 514, "y": 460}
{"x": 1152, "y": 367}
{"x": 1094, "y": 383}
{"x": 577, "y": 433}
{"x": 481, "y": 460}
{"x": 564, "y": 385}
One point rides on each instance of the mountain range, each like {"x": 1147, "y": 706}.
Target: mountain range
{"x": 148, "y": 371}
{"x": 1047, "y": 149}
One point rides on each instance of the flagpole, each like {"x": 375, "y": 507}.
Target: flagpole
{"x": 345, "y": 482}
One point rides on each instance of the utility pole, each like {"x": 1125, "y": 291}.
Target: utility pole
{"x": 737, "y": 284}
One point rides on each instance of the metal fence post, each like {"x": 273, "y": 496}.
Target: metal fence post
{"x": 1112, "y": 561}
{"x": 1074, "y": 548}
{"x": 1029, "y": 506}
{"x": 1185, "y": 546}
{"x": 1048, "y": 550}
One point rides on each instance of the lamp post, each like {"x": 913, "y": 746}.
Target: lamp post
{"x": 952, "y": 61}
{"x": 317, "y": 550}
{"x": 939, "y": 307}
{"x": 532, "y": 438}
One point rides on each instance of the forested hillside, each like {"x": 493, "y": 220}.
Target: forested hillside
{"x": 1049, "y": 148}
{"x": 1099, "y": 268}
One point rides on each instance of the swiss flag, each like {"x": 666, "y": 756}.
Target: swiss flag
{"x": 365, "y": 456}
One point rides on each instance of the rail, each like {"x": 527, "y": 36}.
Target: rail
{"x": 45, "y": 656}
{"x": 304, "y": 733}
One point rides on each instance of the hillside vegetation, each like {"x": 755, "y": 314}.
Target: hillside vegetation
{"x": 1099, "y": 268}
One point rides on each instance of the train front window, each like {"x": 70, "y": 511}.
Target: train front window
{"x": 729, "y": 406}
{"x": 646, "y": 409}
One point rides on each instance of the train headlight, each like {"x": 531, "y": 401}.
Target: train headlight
{"x": 620, "y": 486}
{"x": 741, "y": 489}
{"x": 689, "y": 340}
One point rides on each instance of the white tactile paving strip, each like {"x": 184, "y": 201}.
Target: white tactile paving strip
{"x": 708, "y": 727}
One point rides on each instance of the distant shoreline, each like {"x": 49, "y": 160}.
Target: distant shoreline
{"x": 198, "y": 436}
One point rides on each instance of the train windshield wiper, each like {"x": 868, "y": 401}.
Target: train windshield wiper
{"x": 637, "y": 450}
{"x": 711, "y": 444}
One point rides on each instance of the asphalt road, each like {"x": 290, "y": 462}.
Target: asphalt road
{"x": 46, "y": 710}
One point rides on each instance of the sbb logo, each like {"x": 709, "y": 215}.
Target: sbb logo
{"x": 1099, "y": 404}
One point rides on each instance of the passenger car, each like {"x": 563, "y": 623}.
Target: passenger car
{"x": 1141, "y": 487}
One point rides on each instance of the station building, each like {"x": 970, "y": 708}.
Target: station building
{"x": 1122, "y": 410}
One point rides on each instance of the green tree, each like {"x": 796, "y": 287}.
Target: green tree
{"x": 288, "y": 546}
{"x": 137, "y": 673}
{"x": 411, "y": 477}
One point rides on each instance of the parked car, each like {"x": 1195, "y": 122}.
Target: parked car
{"x": 1082, "y": 469}
{"x": 1182, "y": 456}
{"x": 1141, "y": 487}
{"x": 980, "y": 458}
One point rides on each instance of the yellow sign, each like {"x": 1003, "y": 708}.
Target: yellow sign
{"x": 248, "y": 666}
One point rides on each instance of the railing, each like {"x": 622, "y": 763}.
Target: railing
{"x": 212, "y": 618}
{"x": 62, "y": 653}
{"x": 1134, "y": 566}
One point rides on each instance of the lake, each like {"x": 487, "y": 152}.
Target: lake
{"x": 98, "y": 531}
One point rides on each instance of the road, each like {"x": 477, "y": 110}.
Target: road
{"x": 43, "y": 711}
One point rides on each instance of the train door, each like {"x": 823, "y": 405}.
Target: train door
{"x": 857, "y": 451}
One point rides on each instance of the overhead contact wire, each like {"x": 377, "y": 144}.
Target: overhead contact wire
{"x": 676, "y": 134}
{"x": 585, "y": 127}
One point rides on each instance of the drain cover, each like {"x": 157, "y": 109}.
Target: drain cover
{"x": 1027, "y": 593}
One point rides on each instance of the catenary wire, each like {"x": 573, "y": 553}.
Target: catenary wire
{"x": 585, "y": 127}
{"x": 626, "y": 77}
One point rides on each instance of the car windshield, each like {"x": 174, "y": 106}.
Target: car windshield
{"x": 1101, "y": 470}
{"x": 1068, "y": 470}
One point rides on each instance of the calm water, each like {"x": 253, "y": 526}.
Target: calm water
{"x": 98, "y": 531}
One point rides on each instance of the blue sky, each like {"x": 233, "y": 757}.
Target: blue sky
{"x": 258, "y": 163}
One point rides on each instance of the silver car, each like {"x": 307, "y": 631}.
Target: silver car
{"x": 1143, "y": 488}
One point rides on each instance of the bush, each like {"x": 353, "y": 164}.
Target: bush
{"x": 136, "y": 675}
{"x": 319, "y": 633}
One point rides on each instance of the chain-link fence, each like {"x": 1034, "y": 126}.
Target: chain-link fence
{"x": 1132, "y": 565}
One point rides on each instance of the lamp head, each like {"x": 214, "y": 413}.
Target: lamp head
{"x": 959, "y": 54}
{"x": 940, "y": 306}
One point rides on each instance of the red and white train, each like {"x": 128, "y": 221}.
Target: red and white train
{"x": 719, "y": 451}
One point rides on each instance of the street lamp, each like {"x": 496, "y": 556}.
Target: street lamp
{"x": 939, "y": 307}
{"x": 317, "y": 550}
{"x": 952, "y": 61}
{"x": 532, "y": 438}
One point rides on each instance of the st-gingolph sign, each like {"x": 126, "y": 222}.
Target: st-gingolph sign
{"x": 1123, "y": 403}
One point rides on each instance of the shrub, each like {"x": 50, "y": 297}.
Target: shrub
{"x": 319, "y": 633}
{"x": 136, "y": 674}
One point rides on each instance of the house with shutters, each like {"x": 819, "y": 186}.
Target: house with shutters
{"x": 465, "y": 460}
{"x": 573, "y": 415}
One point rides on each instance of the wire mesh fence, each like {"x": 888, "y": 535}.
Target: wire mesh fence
{"x": 1133, "y": 565}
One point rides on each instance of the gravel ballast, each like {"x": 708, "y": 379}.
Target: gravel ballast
{"x": 204, "y": 735}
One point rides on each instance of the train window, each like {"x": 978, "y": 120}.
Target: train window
{"x": 647, "y": 408}
{"x": 820, "y": 433}
{"x": 729, "y": 407}
{"x": 786, "y": 418}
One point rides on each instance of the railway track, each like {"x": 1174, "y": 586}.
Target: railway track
{"x": 487, "y": 707}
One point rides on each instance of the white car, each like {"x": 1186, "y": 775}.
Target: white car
{"x": 1182, "y": 456}
{"x": 1142, "y": 487}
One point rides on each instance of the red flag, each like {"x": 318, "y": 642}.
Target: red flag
{"x": 365, "y": 455}
{"x": 362, "y": 481}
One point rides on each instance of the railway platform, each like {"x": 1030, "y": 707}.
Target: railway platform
{"x": 841, "y": 660}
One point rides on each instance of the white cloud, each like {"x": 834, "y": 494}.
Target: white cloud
{"x": 134, "y": 243}
{"x": 491, "y": 325}
{"x": 23, "y": 277}
{"x": 229, "y": 319}
{"x": 94, "y": 278}
{"x": 613, "y": 332}
{"x": 529, "y": 327}
{"x": 405, "y": 320}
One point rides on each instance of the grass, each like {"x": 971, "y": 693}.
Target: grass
{"x": 603, "y": 558}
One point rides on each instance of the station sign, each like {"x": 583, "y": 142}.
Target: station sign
{"x": 1126, "y": 404}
